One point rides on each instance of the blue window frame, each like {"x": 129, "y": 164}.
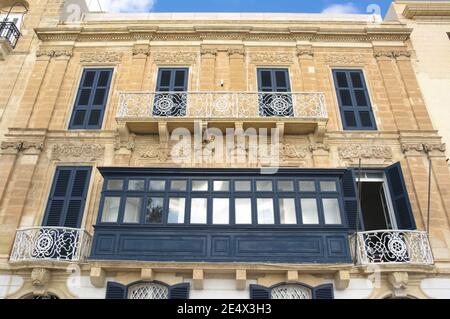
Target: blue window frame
{"x": 91, "y": 99}
{"x": 354, "y": 102}
{"x": 171, "y": 80}
{"x": 212, "y": 199}
{"x": 276, "y": 100}
{"x": 67, "y": 197}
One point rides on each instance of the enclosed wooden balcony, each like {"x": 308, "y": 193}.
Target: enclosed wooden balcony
{"x": 294, "y": 113}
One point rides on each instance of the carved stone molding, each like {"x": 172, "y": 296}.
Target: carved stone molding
{"x": 359, "y": 151}
{"x": 418, "y": 148}
{"x": 78, "y": 151}
{"x": 11, "y": 145}
{"x": 175, "y": 57}
{"x": 101, "y": 57}
{"x": 209, "y": 52}
{"x": 236, "y": 52}
{"x": 141, "y": 51}
{"x": 291, "y": 151}
{"x": 272, "y": 57}
{"x": 155, "y": 152}
{"x": 399, "y": 283}
{"x": 130, "y": 146}
{"x": 305, "y": 52}
{"x": 344, "y": 59}
{"x": 40, "y": 277}
{"x": 19, "y": 146}
{"x": 54, "y": 52}
{"x": 392, "y": 54}
{"x": 313, "y": 147}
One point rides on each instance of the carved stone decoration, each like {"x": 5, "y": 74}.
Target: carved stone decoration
{"x": 155, "y": 152}
{"x": 211, "y": 52}
{"x": 406, "y": 148}
{"x": 344, "y": 59}
{"x": 269, "y": 57}
{"x": 86, "y": 151}
{"x": 435, "y": 147}
{"x": 130, "y": 146}
{"x": 399, "y": 283}
{"x": 101, "y": 57}
{"x": 54, "y": 52}
{"x": 40, "y": 277}
{"x": 175, "y": 57}
{"x": 294, "y": 151}
{"x": 236, "y": 52}
{"x": 305, "y": 52}
{"x": 313, "y": 147}
{"x": 360, "y": 151}
{"x": 14, "y": 145}
{"x": 423, "y": 148}
{"x": 22, "y": 145}
{"x": 383, "y": 54}
{"x": 141, "y": 51}
{"x": 392, "y": 54}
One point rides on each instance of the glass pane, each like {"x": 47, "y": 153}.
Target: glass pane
{"x": 266, "y": 79}
{"x": 243, "y": 211}
{"x": 89, "y": 78}
{"x": 115, "y": 185}
{"x": 99, "y": 96}
{"x": 158, "y": 186}
{"x": 199, "y": 186}
{"x": 265, "y": 211}
{"x": 285, "y": 186}
{"x": 199, "y": 209}
{"x": 341, "y": 79}
{"x": 165, "y": 78}
{"x": 94, "y": 117}
{"x": 103, "y": 79}
{"x": 179, "y": 78}
{"x": 176, "y": 210}
{"x": 84, "y": 97}
{"x": 345, "y": 97}
{"x": 111, "y": 210}
{"x": 264, "y": 186}
{"x": 310, "y": 214}
{"x": 366, "y": 121}
{"x": 78, "y": 119}
{"x": 307, "y": 186}
{"x": 154, "y": 211}
{"x": 136, "y": 185}
{"x": 328, "y": 186}
{"x": 243, "y": 186}
{"x": 221, "y": 186}
{"x": 350, "y": 119}
{"x": 281, "y": 79}
{"x": 331, "y": 211}
{"x": 178, "y": 186}
{"x": 132, "y": 210}
{"x": 356, "y": 79}
{"x": 361, "y": 98}
{"x": 287, "y": 211}
{"x": 221, "y": 211}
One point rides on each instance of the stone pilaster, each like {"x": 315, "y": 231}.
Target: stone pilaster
{"x": 307, "y": 68}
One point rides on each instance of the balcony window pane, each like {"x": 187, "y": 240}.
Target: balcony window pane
{"x": 136, "y": 185}
{"x": 158, "y": 186}
{"x": 221, "y": 211}
{"x": 115, "y": 185}
{"x": 221, "y": 186}
{"x": 287, "y": 211}
{"x": 331, "y": 211}
{"x": 111, "y": 210}
{"x": 285, "y": 186}
{"x": 243, "y": 186}
{"x": 154, "y": 211}
{"x": 328, "y": 186}
{"x": 133, "y": 208}
{"x": 243, "y": 211}
{"x": 264, "y": 186}
{"x": 176, "y": 210}
{"x": 265, "y": 211}
{"x": 178, "y": 186}
{"x": 199, "y": 209}
{"x": 199, "y": 186}
{"x": 307, "y": 186}
{"x": 310, "y": 213}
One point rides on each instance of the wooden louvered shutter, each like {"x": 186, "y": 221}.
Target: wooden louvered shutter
{"x": 399, "y": 196}
{"x": 68, "y": 197}
{"x": 350, "y": 200}
{"x": 259, "y": 292}
{"x": 323, "y": 292}
{"x": 180, "y": 291}
{"x": 116, "y": 291}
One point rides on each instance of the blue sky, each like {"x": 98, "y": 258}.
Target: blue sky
{"x": 305, "y": 6}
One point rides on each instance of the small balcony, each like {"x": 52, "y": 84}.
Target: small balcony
{"x": 9, "y": 35}
{"x": 54, "y": 244}
{"x": 144, "y": 112}
{"x": 392, "y": 247}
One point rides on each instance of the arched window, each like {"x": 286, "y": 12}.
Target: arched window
{"x": 294, "y": 291}
{"x": 148, "y": 291}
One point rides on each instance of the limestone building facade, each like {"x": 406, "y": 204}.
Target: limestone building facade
{"x": 217, "y": 156}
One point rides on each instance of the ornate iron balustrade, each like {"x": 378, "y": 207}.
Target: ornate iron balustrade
{"x": 51, "y": 244}
{"x": 9, "y": 31}
{"x": 392, "y": 246}
{"x": 222, "y": 105}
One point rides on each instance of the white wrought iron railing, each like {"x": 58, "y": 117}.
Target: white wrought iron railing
{"x": 51, "y": 244}
{"x": 222, "y": 105}
{"x": 392, "y": 246}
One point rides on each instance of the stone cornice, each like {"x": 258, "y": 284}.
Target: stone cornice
{"x": 428, "y": 9}
{"x": 116, "y": 33}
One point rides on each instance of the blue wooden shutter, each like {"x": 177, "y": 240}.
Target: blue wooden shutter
{"x": 67, "y": 197}
{"x": 353, "y": 97}
{"x": 350, "y": 192}
{"x": 399, "y": 196}
{"x": 91, "y": 100}
{"x": 323, "y": 292}
{"x": 116, "y": 291}
{"x": 172, "y": 80}
{"x": 273, "y": 80}
{"x": 259, "y": 292}
{"x": 180, "y": 291}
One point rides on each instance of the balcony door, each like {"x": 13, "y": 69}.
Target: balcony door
{"x": 167, "y": 101}
{"x": 274, "y": 97}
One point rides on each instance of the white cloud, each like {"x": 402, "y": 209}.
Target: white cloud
{"x": 122, "y": 5}
{"x": 341, "y": 8}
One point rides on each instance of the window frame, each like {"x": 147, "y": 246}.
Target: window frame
{"x": 354, "y": 107}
